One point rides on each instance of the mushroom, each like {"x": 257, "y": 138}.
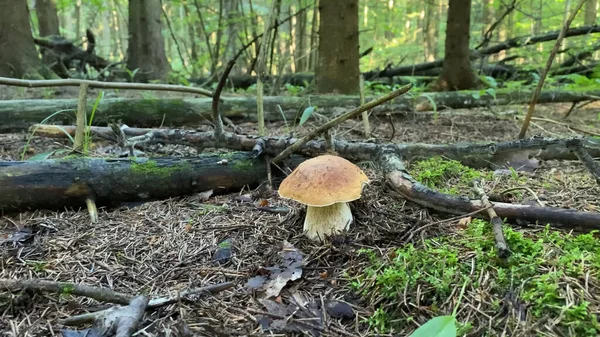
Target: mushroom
{"x": 326, "y": 184}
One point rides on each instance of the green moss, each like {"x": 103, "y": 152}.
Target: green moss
{"x": 447, "y": 176}
{"x": 541, "y": 271}
{"x": 243, "y": 164}
{"x": 150, "y": 167}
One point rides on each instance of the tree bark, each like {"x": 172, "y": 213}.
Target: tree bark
{"x": 55, "y": 184}
{"x": 338, "y": 64}
{"x": 20, "y": 114}
{"x": 457, "y": 73}
{"x": 431, "y": 28}
{"x": 146, "y": 50}
{"x": 47, "y": 17}
{"x": 590, "y": 12}
{"x": 18, "y": 56}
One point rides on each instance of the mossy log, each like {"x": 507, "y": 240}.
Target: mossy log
{"x": 68, "y": 182}
{"x": 169, "y": 112}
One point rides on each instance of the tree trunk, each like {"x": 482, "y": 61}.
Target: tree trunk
{"x": 487, "y": 18}
{"x": 590, "y": 12}
{"x": 20, "y": 114}
{"x": 18, "y": 56}
{"x": 338, "y": 65}
{"x": 431, "y": 25}
{"x": 301, "y": 59}
{"x": 146, "y": 50}
{"x": 47, "y": 17}
{"x": 457, "y": 73}
{"x": 312, "y": 63}
{"x": 55, "y": 184}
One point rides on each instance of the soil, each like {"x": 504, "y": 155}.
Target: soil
{"x": 160, "y": 248}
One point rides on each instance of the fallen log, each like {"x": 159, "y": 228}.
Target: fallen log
{"x": 490, "y": 154}
{"x": 508, "y": 44}
{"x": 20, "y": 114}
{"x": 410, "y": 189}
{"x": 69, "y": 182}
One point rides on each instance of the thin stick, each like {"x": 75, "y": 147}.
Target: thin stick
{"x": 99, "y": 294}
{"x": 365, "y": 114}
{"x": 218, "y": 122}
{"x": 298, "y": 144}
{"x": 81, "y": 111}
{"x": 538, "y": 88}
{"x": 501, "y": 246}
{"x": 152, "y": 304}
{"x": 104, "y": 85}
{"x": 173, "y": 37}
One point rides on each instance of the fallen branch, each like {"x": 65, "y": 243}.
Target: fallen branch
{"x": 20, "y": 114}
{"x": 476, "y": 155}
{"x": 505, "y": 45}
{"x": 153, "y": 304}
{"x": 502, "y": 248}
{"x": 60, "y": 183}
{"x": 102, "y": 85}
{"x": 401, "y": 182}
{"x": 323, "y": 128}
{"x": 99, "y": 294}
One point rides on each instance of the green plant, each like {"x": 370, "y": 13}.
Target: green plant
{"x": 448, "y": 176}
{"x": 542, "y": 269}
{"x": 88, "y": 130}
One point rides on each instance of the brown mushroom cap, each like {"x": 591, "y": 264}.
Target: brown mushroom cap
{"x": 323, "y": 181}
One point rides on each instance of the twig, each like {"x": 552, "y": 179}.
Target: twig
{"x": 81, "y": 113}
{"x": 315, "y": 133}
{"x": 99, "y": 294}
{"x": 128, "y": 318}
{"x": 218, "y": 122}
{"x": 410, "y": 189}
{"x": 535, "y": 196}
{"x": 365, "y": 114}
{"x": 502, "y": 248}
{"x": 574, "y": 128}
{"x": 587, "y": 160}
{"x": 152, "y": 304}
{"x": 103, "y": 85}
{"x": 538, "y": 88}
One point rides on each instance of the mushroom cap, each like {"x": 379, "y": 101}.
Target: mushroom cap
{"x": 323, "y": 181}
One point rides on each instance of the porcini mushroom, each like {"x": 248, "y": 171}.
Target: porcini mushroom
{"x": 326, "y": 184}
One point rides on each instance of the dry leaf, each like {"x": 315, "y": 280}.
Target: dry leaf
{"x": 464, "y": 222}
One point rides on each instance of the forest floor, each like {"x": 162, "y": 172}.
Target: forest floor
{"x": 399, "y": 265}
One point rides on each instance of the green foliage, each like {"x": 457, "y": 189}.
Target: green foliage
{"x": 441, "y": 326}
{"x": 540, "y": 273}
{"x": 448, "y": 176}
{"x": 306, "y": 114}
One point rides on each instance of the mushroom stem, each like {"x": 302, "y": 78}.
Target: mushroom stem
{"x": 321, "y": 222}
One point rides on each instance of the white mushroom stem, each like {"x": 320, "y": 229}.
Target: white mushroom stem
{"x": 321, "y": 222}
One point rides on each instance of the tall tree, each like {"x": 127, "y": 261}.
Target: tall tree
{"x": 47, "y": 17}
{"x": 146, "y": 50}
{"x": 457, "y": 73}
{"x": 590, "y": 12}
{"x": 338, "y": 67}
{"x": 431, "y": 29}
{"x": 18, "y": 58}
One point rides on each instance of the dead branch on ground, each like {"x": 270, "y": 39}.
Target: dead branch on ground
{"x": 502, "y": 248}
{"x": 401, "y": 182}
{"x": 102, "y": 85}
{"x": 153, "y": 304}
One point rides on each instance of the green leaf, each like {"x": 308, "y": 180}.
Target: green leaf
{"x": 41, "y": 156}
{"x": 306, "y": 114}
{"x": 442, "y": 326}
{"x": 476, "y": 95}
{"x": 491, "y": 92}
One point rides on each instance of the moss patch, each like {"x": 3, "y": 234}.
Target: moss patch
{"x": 447, "y": 176}
{"x": 547, "y": 280}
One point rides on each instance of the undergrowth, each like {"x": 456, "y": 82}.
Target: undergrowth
{"x": 548, "y": 272}
{"x": 447, "y": 176}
